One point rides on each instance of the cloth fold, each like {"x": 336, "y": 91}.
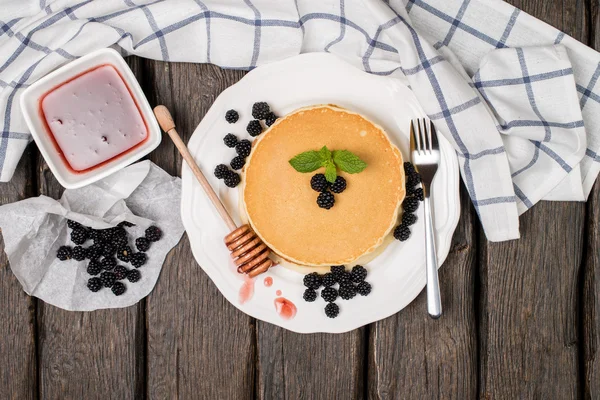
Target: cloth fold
{"x": 510, "y": 155}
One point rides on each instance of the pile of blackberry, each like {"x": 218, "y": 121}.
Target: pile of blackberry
{"x": 349, "y": 284}
{"x": 108, "y": 244}
{"x": 260, "y": 111}
{"x": 414, "y": 195}
{"x": 326, "y": 199}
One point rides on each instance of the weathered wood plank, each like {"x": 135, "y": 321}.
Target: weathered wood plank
{"x": 413, "y": 356}
{"x": 18, "y": 374}
{"x": 89, "y": 354}
{"x": 529, "y": 287}
{"x": 199, "y": 345}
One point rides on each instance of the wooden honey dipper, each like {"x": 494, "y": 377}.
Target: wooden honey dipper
{"x": 249, "y": 253}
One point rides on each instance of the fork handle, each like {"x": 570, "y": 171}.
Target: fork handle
{"x": 434, "y": 300}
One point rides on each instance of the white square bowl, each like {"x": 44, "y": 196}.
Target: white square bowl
{"x": 30, "y": 105}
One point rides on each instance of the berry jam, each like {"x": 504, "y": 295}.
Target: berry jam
{"x": 93, "y": 118}
{"x": 285, "y": 308}
{"x": 268, "y": 281}
{"x": 246, "y": 290}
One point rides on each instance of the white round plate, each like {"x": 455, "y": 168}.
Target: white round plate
{"x": 398, "y": 274}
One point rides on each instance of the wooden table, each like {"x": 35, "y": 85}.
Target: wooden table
{"x": 522, "y": 318}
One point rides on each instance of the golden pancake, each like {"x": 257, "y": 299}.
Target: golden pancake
{"x": 282, "y": 208}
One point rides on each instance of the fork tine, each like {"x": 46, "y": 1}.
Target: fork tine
{"x": 413, "y": 140}
{"x": 423, "y": 134}
{"x": 434, "y": 140}
{"x": 418, "y": 137}
{"x": 426, "y": 138}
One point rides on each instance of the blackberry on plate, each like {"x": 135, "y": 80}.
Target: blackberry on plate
{"x": 329, "y": 294}
{"x": 64, "y": 253}
{"x": 419, "y": 194}
{"x": 142, "y": 244}
{"x": 78, "y": 253}
{"x": 410, "y": 204}
{"x": 410, "y": 190}
{"x": 363, "y": 288}
{"x": 358, "y": 274}
{"x": 221, "y": 171}
{"x": 79, "y": 235}
{"x": 232, "y": 180}
{"x": 402, "y": 233}
{"x": 243, "y": 148}
{"x": 319, "y": 183}
{"x": 409, "y": 169}
{"x": 108, "y": 279}
{"x": 120, "y": 272}
{"x": 232, "y": 116}
{"x": 329, "y": 279}
{"x": 108, "y": 263}
{"x": 118, "y": 231}
{"x": 120, "y": 241}
{"x": 97, "y": 237}
{"x": 94, "y": 267}
{"x": 260, "y": 110}
{"x": 325, "y": 200}
{"x": 408, "y": 219}
{"x": 312, "y": 280}
{"x": 138, "y": 259}
{"x": 413, "y": 180}
{"x": 133, "y": 275}
{"x": 339, "y": 185}
{"x": 344, "y": 277}
{"x": 118, "y": 288}
{"x": 125, "y": 224}
{"x": 73, "y": 224}
{"x": 271, "y": 118}
{"x": 124, "y": 253}
{"x": 237, "y": 162}
{"x": 332, "y": 310}
{"x": 309, "y": 295}
{"x": 347, "y": 291}
{"x": 338, "y": 269}
{"x": 230, "y": 140}
{"x": 153, "y": 233}
{"x": 93, "y": 252}
{"x": 94, "y": 284}
{"x": 254, "y": 128}
{"x": 108, "y": 249}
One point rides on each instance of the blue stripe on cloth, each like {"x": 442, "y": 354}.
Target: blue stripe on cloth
{"x": 342, "y": 27}
{"x": 525, "y": 122}
{"x": 257, "y": 33}
{"x": 521, "y": 80}
{"x": 7, "y": 25}
{"x": 588, "y": 93}
{"x": 592, "y": 154}
{"x": 559, "y": 37}
{"x": 475, "y": 156}
{"x": 522, "y": 196}
{"x": 367, "y": 56}
{"x": 457, "y": 19}
{"x": 35, "y": 46}
{"x": 456, "y": 109}
{"x": 510, "y": 26}
{"x": 420, "y": 67}
{"x": 207, "y": 22}
{"x": 152, "y": 22}
{"x": 495, "y": 200}
{"x": 590, "y": 86}
{"x": 553, "y": 155}
{"x": 531, "y": 163}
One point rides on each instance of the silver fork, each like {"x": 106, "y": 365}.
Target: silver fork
{"x": 425, "y": 155}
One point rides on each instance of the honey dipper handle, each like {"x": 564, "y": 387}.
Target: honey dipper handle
{"x": 165, "y": 121}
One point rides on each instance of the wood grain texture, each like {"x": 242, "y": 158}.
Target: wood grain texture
{"x": 92, "y": 355}
{"x": 529, "y": 287}
{"x": 414, "y": 356}
{"x": 18, "y": 370}
{"x": 199, "y": 345}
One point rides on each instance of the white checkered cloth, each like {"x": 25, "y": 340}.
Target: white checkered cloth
{"x": 506, "y": 89}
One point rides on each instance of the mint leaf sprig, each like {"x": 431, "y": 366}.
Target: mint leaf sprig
{"x": 312, "y": 160}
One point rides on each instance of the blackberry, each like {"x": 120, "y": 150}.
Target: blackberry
{"x": 124, "y": 253}
{"x": 312, "y": 280}
{"x": 93, "y": 252}
{"x": 319, "y": 183}
{"x": 243, "y": 148}
{"x": 338, "y": 269}
{"x": 339, "y": 185}
{"x": 232, "y": 180}
{"x": 108, "y": 279}
{"x": 347, "y": 291}
{"x": 64, "y": 253}
{"x": 125, "y": 224}
{"x": 230, "y": 140}
{"x": 410, "y": 204}
{"x": 221, "y": 171}
{"x": 138, "y": 259}
{"x": 329, "y": 279}
{"x": 325, "y": 200}
{"x": 410, "y": 190}
{"x": 332, "y": 310}
{"x": 78, "y": 253}
{"x": 73, "y": 224}
{"x": 118, "y": 231}
{"x": 118, "y": 288}
{"x": 142, "y": 244}
{"x": 94, "y": 284}
{"x": 419, "y": 194}
{"x": 232, "y": 116}
{"x": 329, "y": 294}
{"x": 413, "y": 180}
{"x": 120, "y": 241}
{"x": 409, "y": 169}
{"x": 238, "y": 162}
{"x": 363, "y": 288}
{"x": 270, "y": 119}
{"x": 260, "y": 110}
{"x": 358, "y": 274}
{"x": 153, "y": 233}
{"x": 94, "y": 267}
{"x": 108, "y": 263}
{"x": 108, "y": 249}
{"x": 309, "y": 295}
{"x": 254, "y": 128}
{"x": 133, "y": 275}
{"x": 402, "y": 233}
{"x": 120, "y": 272}
{"x": 97, "y": 237}
{"x": 344, "y": 277}
{"x": 79, "y": 235}
{"x": 408, "y": 219}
